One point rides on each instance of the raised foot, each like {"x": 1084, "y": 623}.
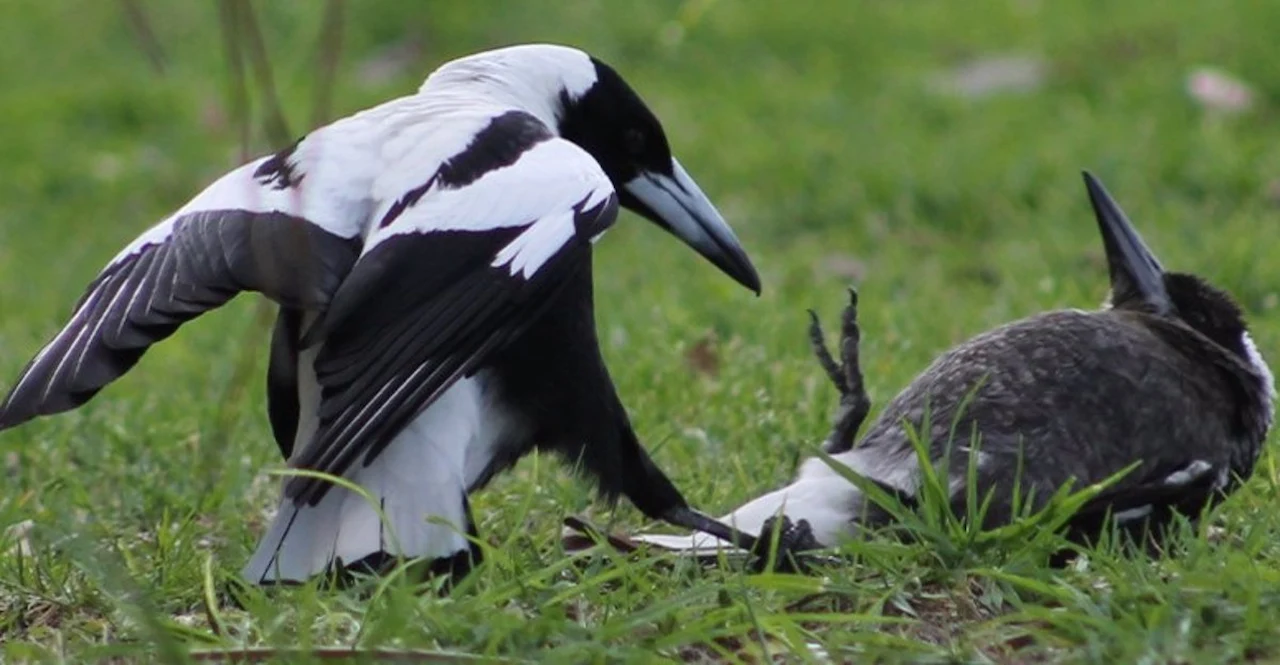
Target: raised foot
{"x": 845, "y": 375}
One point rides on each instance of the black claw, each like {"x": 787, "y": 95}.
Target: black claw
{"x": 794, "y": 540}
{"x": 802, "y": 538}
{"x": 855, "y": 404}
{"x": 829, "y": 365}
{"x": 850, "y": 336}
{"x": 764, "y": 542}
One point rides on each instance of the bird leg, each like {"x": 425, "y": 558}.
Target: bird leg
{"x": 797, "y": 537}
{"x": 795, "y": 540}
{"x": 693, "y": 520}
{"x": 845, "y": 375}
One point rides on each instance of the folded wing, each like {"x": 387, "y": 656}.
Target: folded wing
{"x": 456, "y": 275}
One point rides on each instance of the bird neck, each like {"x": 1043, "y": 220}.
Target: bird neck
{"x": 537, "y": 79}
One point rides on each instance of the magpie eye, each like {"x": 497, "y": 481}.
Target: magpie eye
{"x": 633, "y": 140}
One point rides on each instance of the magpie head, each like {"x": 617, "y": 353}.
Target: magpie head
{"x": 585, "y": 101}
{"x": 1139, "y": 283}
{"x": 610, "y": 121}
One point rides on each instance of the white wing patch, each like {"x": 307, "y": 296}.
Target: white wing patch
{"x": 540, "y": 190}
{"x": 535, "y": 246}
{"x": 550, "y": 177}
{"x": 1192, "y": 471}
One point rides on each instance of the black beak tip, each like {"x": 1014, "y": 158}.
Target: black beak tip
{"x": 745, "y": 274}
{"x": 1135, "y": 271}
{"x": 732, "y": 260}
{"x": 1097, "y": 192}
{"x": 1104, "y": 206}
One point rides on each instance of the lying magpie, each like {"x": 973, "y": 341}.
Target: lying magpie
{"x": 431, "y": 257}
{"x": 1165, "y": 376}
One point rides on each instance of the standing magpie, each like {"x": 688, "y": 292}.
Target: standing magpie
{"x": 431, "y": 257}
{"x": 1166, "y": 376}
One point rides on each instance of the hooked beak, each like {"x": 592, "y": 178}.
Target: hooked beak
{"x": 1135, "y": 272}
{"x": 675, "y": 203}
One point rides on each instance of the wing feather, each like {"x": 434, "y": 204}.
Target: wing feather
{"x": 188, "y": 264}
{"x": 423, "y": 309}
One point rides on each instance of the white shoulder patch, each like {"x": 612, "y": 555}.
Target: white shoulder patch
{"x": 538, "y": 191}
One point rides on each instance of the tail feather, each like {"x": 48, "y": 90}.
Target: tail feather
{"x": 344, "y": 529}
{"x": 418, "y": 484}
{"x": 299, "y": 544}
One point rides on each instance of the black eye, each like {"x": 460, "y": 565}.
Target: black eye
{"x": 633, "y": 140}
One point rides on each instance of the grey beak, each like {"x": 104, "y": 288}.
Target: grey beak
{"x": 677, "y": 204}
{"x": 1136, "y": 275}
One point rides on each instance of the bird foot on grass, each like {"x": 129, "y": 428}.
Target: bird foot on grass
{"x": 795, "y": 544}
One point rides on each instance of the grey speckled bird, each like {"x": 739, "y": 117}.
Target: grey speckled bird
{"x": 1165, "y": 375}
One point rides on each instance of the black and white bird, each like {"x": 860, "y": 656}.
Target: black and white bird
{"x": 432, "y": 260}
{"x": 1165, "y": 376}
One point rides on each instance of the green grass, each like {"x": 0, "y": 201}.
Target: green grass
{"x": 818, "y": 131}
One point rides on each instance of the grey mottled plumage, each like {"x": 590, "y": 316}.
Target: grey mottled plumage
{"x": 1165, "y": 375}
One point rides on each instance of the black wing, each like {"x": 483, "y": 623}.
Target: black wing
{"x": 1149, "y": 505}
{"x": 191, "y": 263}
{"x": 419, "y": 311}
{"x": 283, "y": 407}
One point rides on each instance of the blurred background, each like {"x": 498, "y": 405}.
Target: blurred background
{"x": 928, "y": 152}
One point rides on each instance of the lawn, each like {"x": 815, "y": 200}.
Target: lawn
{"x": 847, "y": 144}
